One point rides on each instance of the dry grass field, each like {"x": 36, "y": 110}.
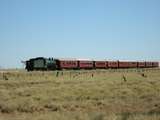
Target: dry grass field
{"x": 80, "y": 95}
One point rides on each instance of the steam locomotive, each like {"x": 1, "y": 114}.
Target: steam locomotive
{"x": 41, "y": 63}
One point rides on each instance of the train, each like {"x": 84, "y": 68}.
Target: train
{"x": 42, "y": 63}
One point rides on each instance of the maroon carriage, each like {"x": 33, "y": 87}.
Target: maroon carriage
{"x": 148, "y": 65}
{"x": 85, "y": 64}
{"x": 141, "y": 64}
{"x": 123, "y": 64}
{"x": 133, "y": 64}
{"x": 155, "y": 64}
{"x": 67, "y": 64}
{"x": 100, "y": 64}
{"x": 112, "y": 64}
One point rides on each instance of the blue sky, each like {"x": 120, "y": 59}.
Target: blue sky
{"x": 96, "y": 29}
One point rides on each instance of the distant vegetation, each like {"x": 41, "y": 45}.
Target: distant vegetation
{"x": 80, "y": 95}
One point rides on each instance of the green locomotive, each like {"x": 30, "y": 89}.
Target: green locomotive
{"x": 40, "y": 63}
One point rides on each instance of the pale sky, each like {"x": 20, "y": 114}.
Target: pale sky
{"x": 96, "y": 29}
